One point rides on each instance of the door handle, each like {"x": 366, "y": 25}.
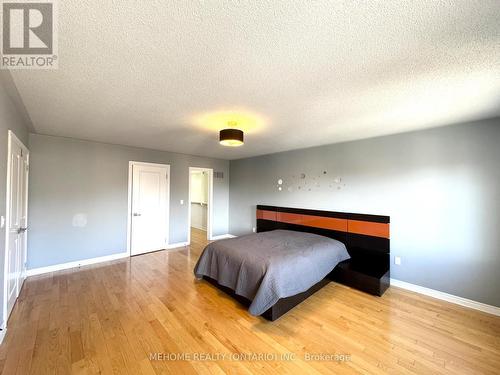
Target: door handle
{"x": 136, "y": 214}
{"x": 21, "y": 230}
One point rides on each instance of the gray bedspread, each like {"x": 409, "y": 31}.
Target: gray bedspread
{"x": 265, "y": 267}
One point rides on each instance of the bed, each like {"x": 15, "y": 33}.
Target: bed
{"x": 294, "y": 253}
{"x": 266, "y": 267}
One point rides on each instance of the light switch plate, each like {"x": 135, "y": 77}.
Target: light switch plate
{"x": 182, "y": 201}
{"x": 397, "y": 261}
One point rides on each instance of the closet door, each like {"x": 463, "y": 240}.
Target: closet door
{"x": 149, "y": 231}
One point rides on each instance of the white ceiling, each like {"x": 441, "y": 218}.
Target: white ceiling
{"x": 152, "y": 73}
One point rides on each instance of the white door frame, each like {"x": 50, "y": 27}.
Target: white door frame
{"x": 129, "y": 214}
{"x": 210, "y": 172}
{"x": 12, "y": 137}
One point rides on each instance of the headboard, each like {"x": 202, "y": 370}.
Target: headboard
{"x": 367, "y": 237}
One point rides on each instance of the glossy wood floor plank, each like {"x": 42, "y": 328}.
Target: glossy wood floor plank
{"x": 110, "y": 318}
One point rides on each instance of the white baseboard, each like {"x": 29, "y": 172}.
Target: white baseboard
{"x": 447, "y": 297}
{"x": 86, "y": 262}
{"x": 222, "y": 236}
{"x": 78, "y": 263}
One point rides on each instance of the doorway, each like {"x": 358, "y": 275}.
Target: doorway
{"x": 16, "y": 222}
{"x": 148, "y": 216}
{"x": 200, "y": 203}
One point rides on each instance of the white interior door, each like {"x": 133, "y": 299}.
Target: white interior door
{"x": 16, "y": 220}
{"x": 150, "y": 207}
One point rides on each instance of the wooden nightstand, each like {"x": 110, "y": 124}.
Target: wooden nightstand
{"x": 371, "y": 278}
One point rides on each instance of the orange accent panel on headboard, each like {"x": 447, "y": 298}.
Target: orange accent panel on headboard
{"x": 266, "y": 215}
{"x": 325, "y": 222}
{"x": 307, "y": 220}
{"x": 368, "y": 228}
{"x": 285, "y": 217}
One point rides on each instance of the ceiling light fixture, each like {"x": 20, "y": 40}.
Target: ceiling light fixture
{"x": 231, "y": 137}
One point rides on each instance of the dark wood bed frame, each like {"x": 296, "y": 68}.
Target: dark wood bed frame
{"x": 366, "y": 238}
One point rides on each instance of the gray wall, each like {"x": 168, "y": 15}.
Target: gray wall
{"x": 10, "y": 118}
{"x": 69, "y": 177}
{"x": 441, "y": 188}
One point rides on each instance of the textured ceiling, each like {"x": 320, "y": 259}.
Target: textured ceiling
{"x": 162, "y": 74}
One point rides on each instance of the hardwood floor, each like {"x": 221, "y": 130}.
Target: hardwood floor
{"x": 110, "y": 318}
